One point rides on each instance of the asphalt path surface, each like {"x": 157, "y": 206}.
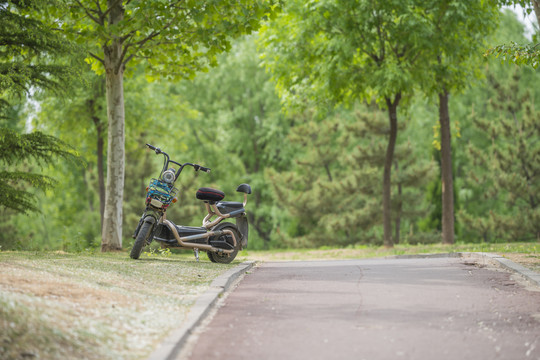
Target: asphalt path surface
{"x": 418, "y": 309}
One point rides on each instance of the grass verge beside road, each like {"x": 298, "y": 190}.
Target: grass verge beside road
{"x": 94, "y": 306}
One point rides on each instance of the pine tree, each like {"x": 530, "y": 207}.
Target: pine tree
{"x": 509, "y": 170}
{"x": 16, "y": 149}
{"x": 27, "y": 49}
{"x": 333, "y": 192}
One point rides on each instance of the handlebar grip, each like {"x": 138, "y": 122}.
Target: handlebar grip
{"x": 156, "y": 149}
{"x": 202, "y": 168}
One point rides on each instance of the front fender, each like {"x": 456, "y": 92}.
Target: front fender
{"x": 149, "y": 216}
{"x": 150, "y": 219}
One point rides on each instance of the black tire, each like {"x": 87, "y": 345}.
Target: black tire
{"x": 140, "y": 241}
{"x": 226, "y": 258}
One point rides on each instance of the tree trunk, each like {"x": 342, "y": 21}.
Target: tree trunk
{"x": 99, "y": 91}
{"x": 112, "y": 217}
{"x": 101, "y": 172}
{"x": 446, "y": 171}
{"x": 536, "y": 7}
{"x": 387, "y": 183}
{"x": 399, "y": 207}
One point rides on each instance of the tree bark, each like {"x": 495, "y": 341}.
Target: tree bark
{"x": 387, "y": 183}
{"x": 399, "y": 207}
{"x": 101, "y": 172}
{"x": 99, "y": 91}
{"x": 114, "y": 70}
{"x": 446, "y": 171}
{"x": 536, "y": 7}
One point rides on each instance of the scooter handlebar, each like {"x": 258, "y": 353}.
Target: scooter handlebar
{"x": 156, "y": 149}
{"x": 202, "y": 168}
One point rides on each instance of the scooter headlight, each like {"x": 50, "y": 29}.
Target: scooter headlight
{"x": 168, "y": 176}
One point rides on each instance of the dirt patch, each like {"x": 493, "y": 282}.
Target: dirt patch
{"x": 23, "y": 280}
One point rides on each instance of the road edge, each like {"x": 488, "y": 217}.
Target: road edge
{"x": 529, "y": 275}
{"x": 498, "y": 260}
{"x": 171, "y": 346}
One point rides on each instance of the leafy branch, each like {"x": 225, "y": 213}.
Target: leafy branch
{"x": 528, "y": 54}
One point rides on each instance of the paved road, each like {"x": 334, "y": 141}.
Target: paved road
{"x": 374, "y": 309}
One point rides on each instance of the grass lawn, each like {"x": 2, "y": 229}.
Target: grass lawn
{"x": 56, "y": 305}
{"x": 94, "y": 306}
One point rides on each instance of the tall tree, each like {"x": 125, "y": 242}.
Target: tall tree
{"x": 350, "y": 49}
{"x": 455, "y": 60}
{"x": 174, "y": 38}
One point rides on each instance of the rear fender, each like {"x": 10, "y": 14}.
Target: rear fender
{"x": 243, "y": 227}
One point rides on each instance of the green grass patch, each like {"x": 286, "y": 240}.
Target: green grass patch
{"x": 57, "y": 305}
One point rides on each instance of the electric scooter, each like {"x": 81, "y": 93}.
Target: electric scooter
{"x": 220, "y": 240}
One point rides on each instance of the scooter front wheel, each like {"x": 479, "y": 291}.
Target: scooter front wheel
{"x": 140, "y": 241}
{"x": 226, "y": 258}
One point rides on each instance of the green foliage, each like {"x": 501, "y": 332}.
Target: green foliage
{"x": 456, "y": 37}
{"x": 345, "y": 50}
{"x": 513, "y": 53}
{"x": 517, "y": 52}
{"x": 31, "y": 52}
{"x": 28, "y": 48}
{"x": 239, "y": 132}
{"x": 18, "y": 148}
{"x": 315, "y": 168}
{"x": 174, "y": 39}
{"x": 509, "y": 168}
{"x": 332, "y": 190}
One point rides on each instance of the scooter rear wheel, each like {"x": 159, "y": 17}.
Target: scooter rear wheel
{"x": 140, "y": 241}
{"x": 226, "y": 258}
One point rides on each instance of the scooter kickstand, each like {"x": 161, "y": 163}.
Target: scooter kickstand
{"x": 196, "y": 251}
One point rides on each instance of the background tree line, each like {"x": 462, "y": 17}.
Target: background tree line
{"x": 315, "y": 153}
